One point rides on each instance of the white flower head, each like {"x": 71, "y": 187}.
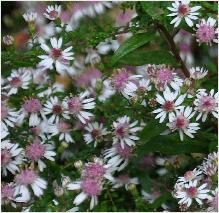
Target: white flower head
{"x": 54, "y": 108}
{"x": 11, "y": 157}
{"x": 170, "y": 102}
{"x": 181, "y": 122}
{"x": 206, "y": 103}
{"x": 197, "y": 73}
{"x": 29, "y": 178}
{"x": 118, "y": 157}
{"x": 78, "y": 106}
{"x": 18, "y": 79}
{"x": 56, "y": 55}
{"x": 30, "y": 16}
{"x": 182, "y": 10}
{"x": 191, "y": 191}
{"x": 206, "y": 31}
{"x": 39, "y": 150}
{"x": 96, "y": 133}
{"x": 63, "y": 129}
{"x": 8, "y": 40}
{"x": 8, "y": 118}
{"x": 125, "y": 132}
{"x": 53, "y": 12}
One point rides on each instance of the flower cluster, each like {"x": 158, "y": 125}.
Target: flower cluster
{"x": 79, "y": 115}
{"x": 199, "y": 185}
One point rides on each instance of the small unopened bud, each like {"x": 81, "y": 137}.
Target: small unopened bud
{"x": 187, "y": 82}
{"x": 131, "y": 186}
{"x": 58, "y": 191}
{"x": 64, "y": 144}
{"x": 65, "y": 181}
{"x": 152, "y": 102}
{"x": 8, "y": 40}
{"x": 78, "y": 164}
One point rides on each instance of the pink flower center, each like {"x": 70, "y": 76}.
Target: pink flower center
{"x": 189, "y": 175}
{"x": 16, "y": 82}
{"x": 183, "y": 9}
{"x": 169, "y": 106}
{"x": 91, "y": 187}
{"x": 35, "y": 151}
{"x": 26, "y": 176}
{"x": 35, "y": 130}
{"x": 205, "y": 33}
{"x": 122, "y": 130}
{"x": 57, "y": 109}
{"x": 7, "y": 191}
{"x": 5, "y": 157}
{"x": 95, "y": 133}
{"x": 124, "y": 179}
{"x": 126, "y": 152}
{"x": 74, "y": 104}
{"x": 32, "y": 105}
{"x": 53, "y": 14}
{"x": 207, "y": 103}
{"x": 164, "y": 76}
{"x": 120, "y": 79}
{"x": 192, "y": 192}
{"x": 94, "y": 170}
{"x": 63, "y": 126}
{"x": 4, "y": 112}
{"x": 56, "y": 53}
{"x": 181, "y": 122}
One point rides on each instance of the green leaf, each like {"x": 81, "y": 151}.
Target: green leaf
{"x": 160, "y": 200}
{"x": 171, "y": 145}
{"x": 153, "y": 9}
{"x": 151, "y": 130}
{"x": 131, "y": 44}
{"x": 138, "y": 58}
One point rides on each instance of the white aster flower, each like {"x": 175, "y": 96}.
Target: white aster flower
{"x": 117, "y": 156}
{"x": 124, "y": 180}
{"x": 197, "y": 73}
{"x": 54, "y": 108}
{"x": 63, "y": 129}
{"x": 206, "y": 103}
{"x": 32, "y": 107}
{"x": 191, "y": 191}
{"x": 18, "y": 79}
{"x": 190, "y": 176}
{"x": 170, "y": 102}
{"x": 206, "y": 31}
{"x": 38, "y": 150}
{"x": 181, "y": 122}
{"x": 56, "y": 55}
{"x": 182, "y": 10}
{"x": 95, "y": 133}
{"x": 125, "y": 132}
{"x": 8, "y": 118}
{"x": 77, "y": 105}
{"x": 140, "y": 88}
{"x": 90, "y": 188}
{"x": 30, "y": 16}
{"x": 11, "y": 157}
{"x": 8, "y": 194}
{"x": 53, "y": 12}
{"x": 8, "y": 40}
{"x": 29, "y": 178}
{"x": 121, "y": 78}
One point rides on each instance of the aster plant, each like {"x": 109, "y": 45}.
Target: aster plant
{"x": 109, "y": 106}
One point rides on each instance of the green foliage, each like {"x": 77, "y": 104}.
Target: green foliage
{"x": 142, "y": 57}
{"x": 131, "y": 44}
